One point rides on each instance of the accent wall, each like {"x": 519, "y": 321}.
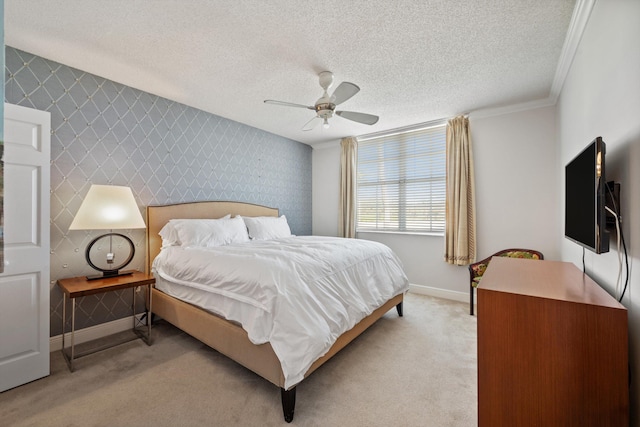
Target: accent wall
{"x": 106, "y": 133}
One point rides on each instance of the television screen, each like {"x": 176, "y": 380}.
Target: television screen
{"x": 585, "y": 218}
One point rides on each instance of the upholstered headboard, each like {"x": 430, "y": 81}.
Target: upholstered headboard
{"x": 158, "y": 216}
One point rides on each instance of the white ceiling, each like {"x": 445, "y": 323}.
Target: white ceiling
{"x": 414, "y": 60}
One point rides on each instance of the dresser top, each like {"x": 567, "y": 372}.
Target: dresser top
{"x": 544, "y": 279}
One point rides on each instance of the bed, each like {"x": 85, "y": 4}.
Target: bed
{"x": 228, "y": 336}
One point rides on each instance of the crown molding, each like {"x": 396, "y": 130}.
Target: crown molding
{"x": 578, "y": 23}
{"x": 513, "y": 108}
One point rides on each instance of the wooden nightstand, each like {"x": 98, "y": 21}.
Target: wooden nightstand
{"x": 79, "y": 287}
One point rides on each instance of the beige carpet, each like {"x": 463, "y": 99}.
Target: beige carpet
{"x": 419, "y": 370}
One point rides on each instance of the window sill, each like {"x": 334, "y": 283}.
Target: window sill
{"x": 409, "y": 233}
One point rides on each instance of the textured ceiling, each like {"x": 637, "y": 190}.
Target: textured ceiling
{"x": 415, "y": 61}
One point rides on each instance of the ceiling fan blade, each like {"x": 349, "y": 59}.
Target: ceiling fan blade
{"x": 311, "y": 124}
{"x": 367, "y": 119}
{"x": 288, "y": 104}
{"x": 343, "y": 92}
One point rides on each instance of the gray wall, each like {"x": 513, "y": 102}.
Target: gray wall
{"x": 1, "y": 145}
{"x": 518, "y": 143}
{"x": 601, "y": 97}
{"x": 106, "y": 133}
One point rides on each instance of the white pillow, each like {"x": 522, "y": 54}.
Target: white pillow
{"x": 204, "y": 232}
{"x": 267, "y": 227}
{"x": 169, "y": 234}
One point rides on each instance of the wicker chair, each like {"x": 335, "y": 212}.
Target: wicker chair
{"x": 477, "y": 269}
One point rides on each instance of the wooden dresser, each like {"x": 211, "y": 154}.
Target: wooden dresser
{"x": 552, "y": 348}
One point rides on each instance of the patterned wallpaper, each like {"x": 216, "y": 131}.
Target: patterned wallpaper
{"x": 106, "y": 133}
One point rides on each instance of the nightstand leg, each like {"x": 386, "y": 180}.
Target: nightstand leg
{"x": 64, "y": 320}
{"x": 136, "y": 328}
{"x": 73, "y": 332}
{"x": 67, "y": 357}
{"x": 149, "y": 314}
{"x": 135, "y": 319}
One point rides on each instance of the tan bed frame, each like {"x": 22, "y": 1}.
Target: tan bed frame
{"x": 226, "y": 337}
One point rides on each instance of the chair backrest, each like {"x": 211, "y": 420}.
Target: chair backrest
{"x": 476, "y": 270}
{"x": 520, "y": 253}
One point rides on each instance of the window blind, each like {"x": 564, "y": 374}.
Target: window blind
{"x": 401, "y": 182}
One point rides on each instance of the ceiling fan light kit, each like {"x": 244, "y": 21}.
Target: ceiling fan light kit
{"x": 325, "y": 106}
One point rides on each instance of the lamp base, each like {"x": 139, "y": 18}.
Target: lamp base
{"x": 110, "y": 273}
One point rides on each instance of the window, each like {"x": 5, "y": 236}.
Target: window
{"x": 401, "y": 181}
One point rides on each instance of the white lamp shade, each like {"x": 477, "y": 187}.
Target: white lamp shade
{"x": 108, "y": 207}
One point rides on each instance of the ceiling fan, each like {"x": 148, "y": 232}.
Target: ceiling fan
{"x": 325, "y": 106}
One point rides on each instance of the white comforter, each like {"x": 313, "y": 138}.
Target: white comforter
{"x": 306, "y": 291}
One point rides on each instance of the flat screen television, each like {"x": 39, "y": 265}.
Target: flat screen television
{"x": 585, "y": 216}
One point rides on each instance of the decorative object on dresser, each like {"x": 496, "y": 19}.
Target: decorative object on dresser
{"x": 257, "y": 286}
{"x": 108, "y": 207}
{"x": 552, "y": 348}
{"x": 477, "y": 269}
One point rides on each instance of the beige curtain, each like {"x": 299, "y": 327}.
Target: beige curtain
{"x": 348, "y": 171}
{"x": 460, "y": 228}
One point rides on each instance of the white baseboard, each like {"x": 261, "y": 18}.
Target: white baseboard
{"x": 440, "y": 293}
{"x": 91, "y": 333}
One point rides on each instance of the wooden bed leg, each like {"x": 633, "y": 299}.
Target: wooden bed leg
{"x": 288, "y": 403}
{"x": 399, "y": 308}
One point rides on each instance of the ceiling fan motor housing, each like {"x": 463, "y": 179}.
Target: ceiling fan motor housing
{"x": 325, "y": 110}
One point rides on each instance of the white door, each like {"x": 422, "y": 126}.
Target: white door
{"x": 24, "y": 284}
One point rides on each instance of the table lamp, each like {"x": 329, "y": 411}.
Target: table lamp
{"x": 108, "y": 207}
